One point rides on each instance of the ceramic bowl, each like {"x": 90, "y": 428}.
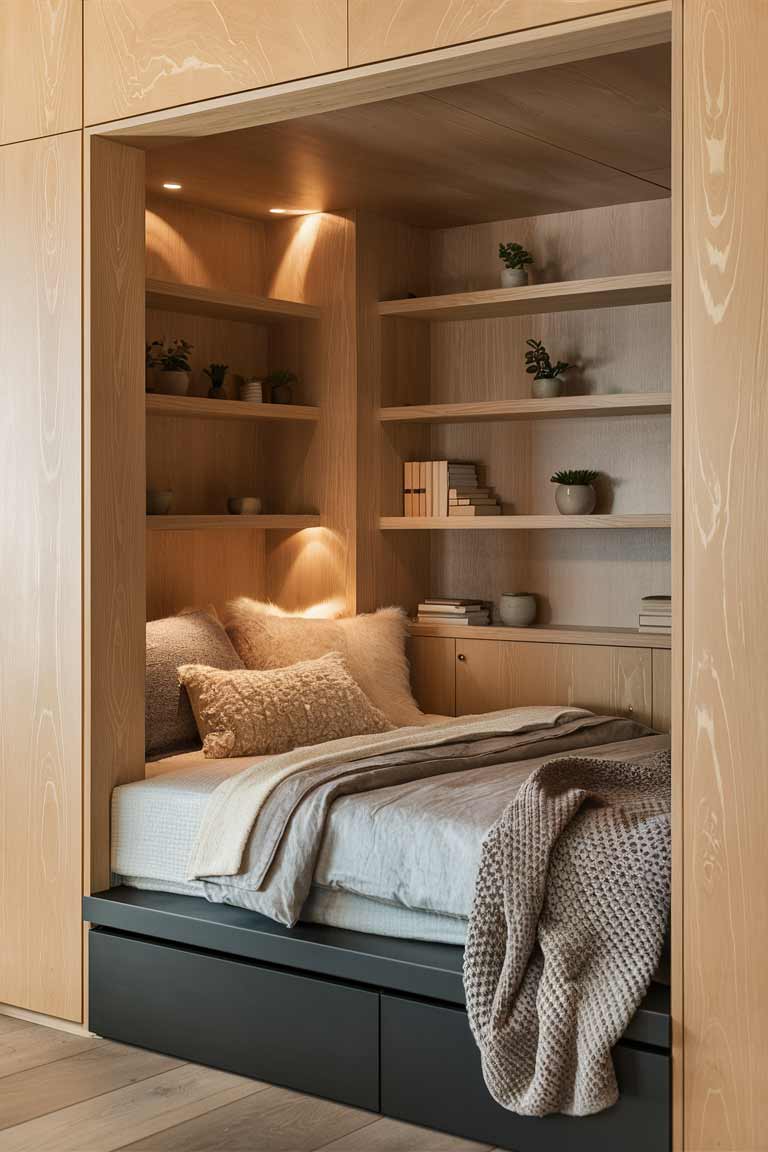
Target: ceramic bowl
{"x": 159, "y": 503}
{"x": 517, "y": 609}
{"x": 244, "y": 505}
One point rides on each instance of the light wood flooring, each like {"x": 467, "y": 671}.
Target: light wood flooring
{"x": 66, "y": 1093}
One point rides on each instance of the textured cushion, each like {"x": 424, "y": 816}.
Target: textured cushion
{"x": 373, "y": 645}
{"x": 252, "y": 713}
{"x": 191, "y": 638}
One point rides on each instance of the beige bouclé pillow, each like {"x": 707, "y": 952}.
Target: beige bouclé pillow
{"x": 373, "y": 645}
{"x": 242, "y": 712}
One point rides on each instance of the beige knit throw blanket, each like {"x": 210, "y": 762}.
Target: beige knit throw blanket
{"x": 567, "y": 927}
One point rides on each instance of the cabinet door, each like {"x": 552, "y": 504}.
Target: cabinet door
{"x": 41, "y": 60}
{"x": 433, "y": 673}
{"x": 493, "y": 674}
{"x": 143, "y": 55}
{"x": 382, "y": 29}
{"x": 662, "y": 689}
{"x": 40, "y": 581}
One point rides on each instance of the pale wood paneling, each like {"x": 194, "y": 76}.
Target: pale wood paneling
{"x": 40, "y": 562}
{"x": 41, "y": 56}
{"x": 115, "y": 492}
{"x": 142, "y": 55}
{"x": 196, "y": 568}
{"x": 433, "y": 673}
{"x": 381, "y": 29}
{"x": 725, "y": 602}
{"x": 187, "y": 244}
{"x": 494, "y": 674}
{"x": 662, "y": 690}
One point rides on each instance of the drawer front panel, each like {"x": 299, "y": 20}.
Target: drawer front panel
{"x": 311, "y": 1035}
{"x": 436, "y": 1080}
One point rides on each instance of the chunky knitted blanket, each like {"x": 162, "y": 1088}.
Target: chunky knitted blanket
{"x": 567, "y": 927}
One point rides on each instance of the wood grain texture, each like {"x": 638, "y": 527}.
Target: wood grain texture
{"x": 40, "y": 560}
{"x": 433, "y": 673}
{"x": 201, "y": 408}
{"x": 223, "y": 305}
{"x": 545, "y": 634}
{"x": 725, "y": 606}
{"x": 195, "y": 568}
{"x": 190, "y": 245}
{"x": 522, "y": 523}
{"x": 41, "y": 59}
{"x": 491, "y": 675}
{"x": 559, "y": 407}
{"x": 115, "y": 492}
{"x": 662, "y": 690}
{"x": 26, "y": 1046}
{"x": 141, "y": 55}
{"x": 262, "y": 522}
{"x": 381, "y": 29}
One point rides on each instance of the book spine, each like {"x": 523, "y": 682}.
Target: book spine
{"x": 407, "y": 488}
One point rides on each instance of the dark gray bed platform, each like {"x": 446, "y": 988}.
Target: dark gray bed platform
{"x": 371, "y": 1021}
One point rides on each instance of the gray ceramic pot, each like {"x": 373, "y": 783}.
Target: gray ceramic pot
{"x": 546, "y": 387}
{"x": 159, "y": 503}
{"x": 172, "y": 383}
{"x": 517, "y": 609}
{"x": 244, "y": 505}
{"x": 513, "y": 277}
{"x": 575, "y": 499}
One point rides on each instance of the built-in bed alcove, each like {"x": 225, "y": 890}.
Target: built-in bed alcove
{"x": 379, "y": 287}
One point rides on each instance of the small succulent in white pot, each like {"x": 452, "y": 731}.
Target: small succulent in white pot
{"x": 173, "y": 365}
{"x": 547, "y": 377}
{"x": 514, "y": 274}
{"x": 575, "y": 494}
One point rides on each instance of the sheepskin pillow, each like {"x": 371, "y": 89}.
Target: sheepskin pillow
{"x": 190, "y": 638}
{"x": 373, "y": 644}
{"x": 248, "y": 713}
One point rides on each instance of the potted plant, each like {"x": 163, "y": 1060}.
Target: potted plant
{"x": 575, "y": 494}
{"x": 149, "y": 371}
{"x": 174, "y": 367}
{"x": 216, "y": 374}
{"x": 280, "y": 382}
{"x": 547, "y": 381}
{"x": 514, "y": 273}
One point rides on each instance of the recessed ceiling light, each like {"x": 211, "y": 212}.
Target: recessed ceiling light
{"x": 172, "y": 186}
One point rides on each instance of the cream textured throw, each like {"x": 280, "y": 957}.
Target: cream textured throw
{"x": 567, "y": 928}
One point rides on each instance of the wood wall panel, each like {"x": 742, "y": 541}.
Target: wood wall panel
{"x": 40, "y": 577}
{"x": 382, "y": 29}
{"x": 188, "y": 244}
{"x": 662, "y": 690}
{"x": 433, "y": 673}
{"x": 41, "y": 57}
{"x": 144, "y": 55}
{"x": 199, "y": 568}
{"x": 115, "y": 486}
{"x": 725, "y": 603}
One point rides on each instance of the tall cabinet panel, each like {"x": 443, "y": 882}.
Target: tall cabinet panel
{"x": 143, "y": 55}
{"x": 40, "y": 576}
{"x": 725, "y": 617}
{"x": 40, "y": 68}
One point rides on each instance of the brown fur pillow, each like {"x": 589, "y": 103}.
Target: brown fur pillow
{"x": 373, "y": 645}
{"x": 252, "y": 713}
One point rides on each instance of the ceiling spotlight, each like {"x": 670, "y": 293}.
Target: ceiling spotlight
{"x": 172, "y": 186}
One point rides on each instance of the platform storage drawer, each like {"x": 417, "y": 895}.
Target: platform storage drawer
{"x": 313, "y": 1035}
{"x": 438, "y": 1082}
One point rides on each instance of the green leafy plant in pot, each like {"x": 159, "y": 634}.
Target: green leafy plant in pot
{"x": 216, "y": 373}
{"x": 280, "y": 384}
{"x": 547, "y": 377}
{"x": 174, "y": 370}
{"x": 514, "y": 274}
{"x": 575, "y": 494}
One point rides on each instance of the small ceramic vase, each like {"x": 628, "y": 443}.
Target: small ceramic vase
{"x": 281, "y": 394}
{"x": 575, "y": 499}
{"x": 517, "y": 609}
{"x": 159, "y": 503}
{"x": 513, "y": 277}
{"x": 172, "y": 383}
{"x": 546, "y": 387}
{"x": 244, "y": 505}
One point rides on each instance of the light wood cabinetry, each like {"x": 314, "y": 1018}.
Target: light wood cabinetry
{"x": 433, "y": 673}
{"x": 381, "y": 29}
{"x": 662, "y": 690}
{"x": 40, "y": 567}
{"x": 41, "y": 58}
{"x": 144, "y": 55}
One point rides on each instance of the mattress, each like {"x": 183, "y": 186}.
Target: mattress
{"x": 398, "y": 861}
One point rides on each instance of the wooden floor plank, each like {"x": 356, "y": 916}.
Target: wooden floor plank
{"x": 387, "y": 1135}
{"x": 24, "y": 1045}
{"x": 45, "y": 1089}
{"x": 276, "y": 1119}
{"x": 130, "y": 1114}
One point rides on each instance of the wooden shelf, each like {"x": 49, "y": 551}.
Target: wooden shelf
{"x": 521, "y": 523}
{"x": 201, "y": 407}
{"x": 188, "y": 523}
{"x": 626, "y": 404}
{"x": 548, "y": 634}
{"x": 566, "y": 296}
{"x": 190, "y": 298}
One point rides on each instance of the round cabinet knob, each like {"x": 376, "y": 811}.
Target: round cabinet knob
{"x": 461, "y": 657}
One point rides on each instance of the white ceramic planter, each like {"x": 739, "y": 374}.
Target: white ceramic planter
{"x": 575, "y": 499}
{"x": 517, "y": 609}
{"x": 546, "y": 387}
{"x": 172, "y": 383}
{"x": 513, "y": 277}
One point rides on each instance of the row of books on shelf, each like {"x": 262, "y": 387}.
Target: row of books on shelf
{"x": 655, "y": 614}
{"x": 444, "y": 610}
{"x": 446, "y": 488}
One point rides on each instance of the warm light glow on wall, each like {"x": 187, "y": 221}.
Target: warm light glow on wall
{"x": 172, "y": 186}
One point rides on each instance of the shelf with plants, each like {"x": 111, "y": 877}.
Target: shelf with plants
{"x": 547, "y": 634}
{"x": 201, "y": 407}
{"x": 219, "y": 305}
{"x": 558, "y": 407}
{"x": 284, "y": 522}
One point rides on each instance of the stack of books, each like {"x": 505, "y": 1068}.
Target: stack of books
{"x": 445, "y": 488}
{"x": 655, "y": 614}
{"x": 446, "y": 610}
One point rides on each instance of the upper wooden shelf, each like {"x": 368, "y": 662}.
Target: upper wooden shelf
{"x": 566, "y": 296}
{"x": 547, "y": 634}
{"x": 627, "y": 404}
{"x": 197, "y": 301}
{"x": 521, "y": 523}
{"x": 187, "y": 523}
{"x": 201, "y": 407}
